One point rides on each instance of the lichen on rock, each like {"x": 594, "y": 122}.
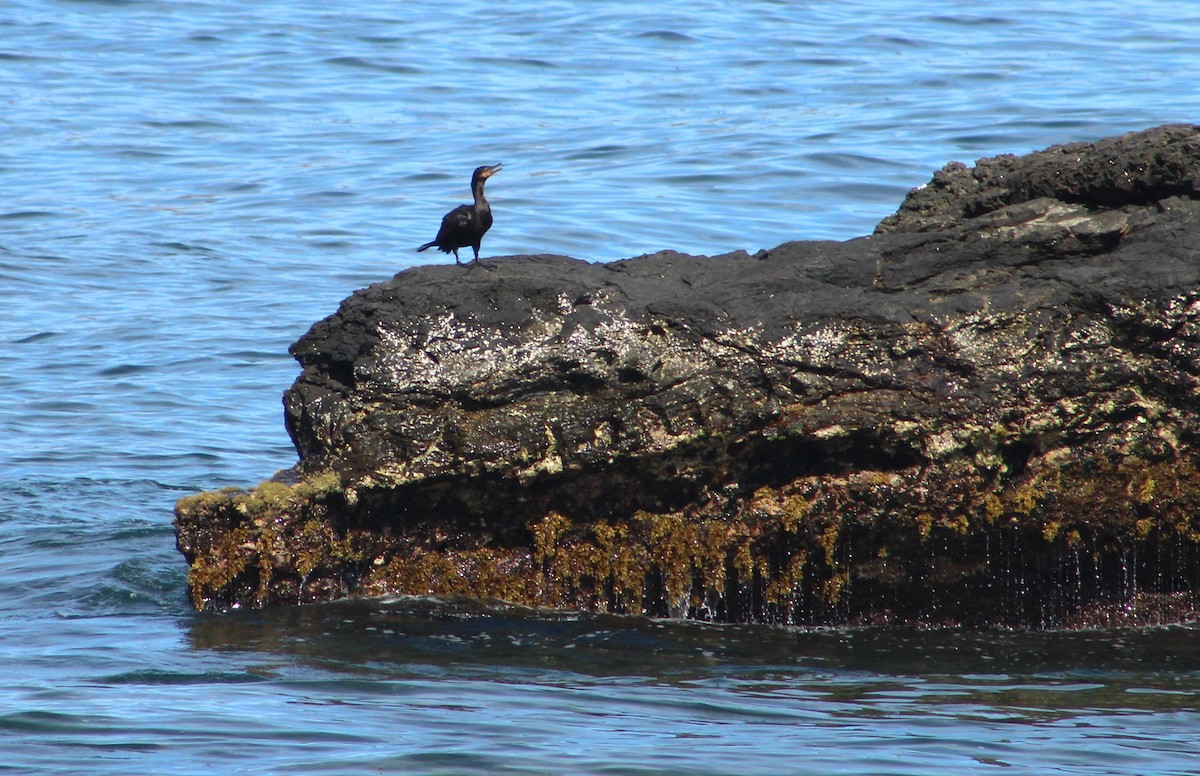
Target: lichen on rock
{"x": 985, "y": 412}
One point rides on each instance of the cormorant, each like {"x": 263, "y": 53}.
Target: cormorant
{"x": 466, "y": 224}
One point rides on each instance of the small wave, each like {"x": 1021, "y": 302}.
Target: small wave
{"x": 26, "y": 214}
{"x": 41, "y": 336}
{"x": 162, "y": 677}
{"x": 8, "y": 56}
{"x": 971, "y": 21}
{"x": 186, "y": 248}
{"x": 185, "y": 124}
{"x": 124, "y": 369}
{"x": 669, "y": 36}
{"x": 367, "y": 64}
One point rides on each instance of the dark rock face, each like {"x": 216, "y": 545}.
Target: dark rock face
{"x": 985, "y": 412}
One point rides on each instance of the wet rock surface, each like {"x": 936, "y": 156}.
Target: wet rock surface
{"x": 983, "y": 413}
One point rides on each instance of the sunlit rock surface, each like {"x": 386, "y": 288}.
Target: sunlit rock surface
{"x": 984, "y": 413}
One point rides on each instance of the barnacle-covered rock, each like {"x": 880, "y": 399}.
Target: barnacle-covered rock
{"x": 985, "y": 412}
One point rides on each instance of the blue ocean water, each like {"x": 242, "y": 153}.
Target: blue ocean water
{"x": 189, "y": 184}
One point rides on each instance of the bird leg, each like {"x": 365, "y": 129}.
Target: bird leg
{"x": 480, "y": 262}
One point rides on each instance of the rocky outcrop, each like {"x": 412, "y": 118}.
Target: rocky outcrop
{"x": 985, "y": 412}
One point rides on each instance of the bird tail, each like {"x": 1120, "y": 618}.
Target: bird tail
{"x": 427, "y": 245}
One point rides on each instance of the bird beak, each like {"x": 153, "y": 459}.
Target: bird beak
{"x": 495, "y": 168}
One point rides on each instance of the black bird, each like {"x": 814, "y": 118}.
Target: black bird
{"x": 466, "y": 224}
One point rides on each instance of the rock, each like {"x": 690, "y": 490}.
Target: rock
{"x": 985, "y": 413}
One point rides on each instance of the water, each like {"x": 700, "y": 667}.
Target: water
{"x": 188, "y": 185}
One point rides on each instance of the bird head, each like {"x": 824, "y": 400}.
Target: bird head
{"x": 486, "y": 171}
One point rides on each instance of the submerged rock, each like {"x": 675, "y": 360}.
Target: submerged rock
{"x": 985, "y": 412}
